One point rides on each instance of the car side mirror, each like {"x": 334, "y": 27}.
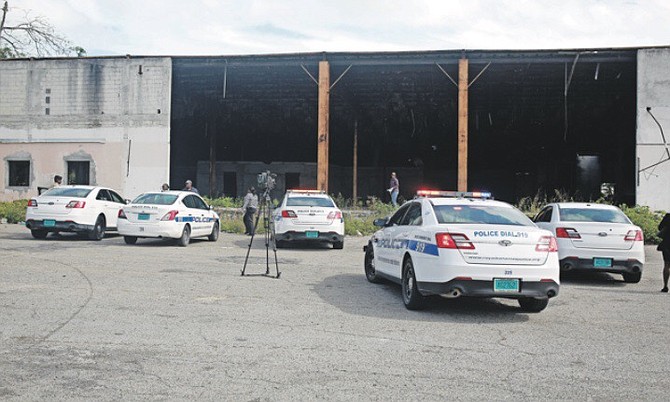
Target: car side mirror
{"x": 382, "y": 222}
{"x": 127, "y": 201}
{"x": 210, "y": 207}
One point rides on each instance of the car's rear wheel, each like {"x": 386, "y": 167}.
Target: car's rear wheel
{"x": 130, "y": 239}
{"x": 338, "y": 245}
{"x": 411, "y": 296}
{"x": 632, "y": 277}
{"x": 98, "y": 231}
{"x": 214, "y": 236}
{"x": 533, "y": 305}
{"x": 369, "y": 264}
{"x": 185, "y": 236}
{"x": 39, "y": 234}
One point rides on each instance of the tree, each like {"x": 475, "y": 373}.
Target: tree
{"x": 33, "y": 36}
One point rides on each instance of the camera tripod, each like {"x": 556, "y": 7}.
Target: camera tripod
{"x": 264, "y": 210}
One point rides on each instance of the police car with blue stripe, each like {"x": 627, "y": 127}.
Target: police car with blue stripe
{"x": 179, "y": 215}
{"x": 455, "y": 244}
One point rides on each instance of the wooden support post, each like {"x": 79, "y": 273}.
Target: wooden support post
{"x": 355, "y": 168}
{"x": 323, "y": 137}
{"x": 212, "y": 160}
{"x": 463, "y": 124}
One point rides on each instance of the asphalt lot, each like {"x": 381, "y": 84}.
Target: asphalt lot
{"x": 106, "y": 321}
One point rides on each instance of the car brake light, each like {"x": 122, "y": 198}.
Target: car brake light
{"x": 634, "y": 235}
{"x": 170, "y": 216}
{"x": 122, "y": 215}
{"x": 32, "y": 203}
{"x": 547, "y": 244}
{"x": 335, "y": 215}
{"x": 76, "y": 204}
{"x": 287, "y": 213}
{"x": 567, "y": 233}
{"x": 453, "y": 240}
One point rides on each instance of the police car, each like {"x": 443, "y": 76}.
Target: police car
{"x": 308, "y": 215}
{"x": 455, "y": 244}
{"x": 179, "y": 215}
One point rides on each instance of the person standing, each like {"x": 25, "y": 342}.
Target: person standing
{"x": 394, "y": 189}
{"x": 58, "y": 181}
{"x": 250, "y": 207}
{"x": 189, "y": 187}
{"x": 165, "y": 187}
{"x": 664, "y": 247}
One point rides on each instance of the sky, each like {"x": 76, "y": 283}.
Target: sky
{"x": 238, "y": 27}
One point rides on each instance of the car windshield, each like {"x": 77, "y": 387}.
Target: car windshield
{"x": 593, "y": 215}
{"x": 309, "y": 202}
{"x": 155, "y": 199}
{"x": 487, "y": 214}
{"x": 75, "y": 192}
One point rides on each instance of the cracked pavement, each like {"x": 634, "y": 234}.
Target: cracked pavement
{"x": 107, "y": 321}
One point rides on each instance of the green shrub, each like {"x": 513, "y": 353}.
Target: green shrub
{"x": 225, "y": 202}
{"x": 13, "y": 211}
{"x": 646, "y": 219}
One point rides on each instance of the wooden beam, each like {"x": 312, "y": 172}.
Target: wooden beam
{"x": 463, "y": 124}
{"x": 323, "y": 137}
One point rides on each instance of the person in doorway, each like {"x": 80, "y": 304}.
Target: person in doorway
{"x": 58, "y": 181}
{"x": 394, "y": 189}
{"x": 165, "y": 187}
{"x": 189, "y": 187}
{"x": 250, "y": 207}
{"x": 664, "y": 247}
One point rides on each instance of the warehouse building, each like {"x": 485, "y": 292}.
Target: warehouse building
{"x": 511, "y": 122}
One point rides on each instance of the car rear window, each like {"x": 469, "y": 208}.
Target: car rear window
{"x": 68, "y": 192}
{"x": 491, "y": 215}
{"x": 309, "y": 202}
{"x": 155, "y": 199}
{"x": 593, "y": 215}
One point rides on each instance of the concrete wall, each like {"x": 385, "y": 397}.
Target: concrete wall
{"x": 653, "y": 91}
{"x": 113, "y": 112}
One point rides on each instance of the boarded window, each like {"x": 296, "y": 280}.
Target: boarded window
{"x": 19, "y": 173}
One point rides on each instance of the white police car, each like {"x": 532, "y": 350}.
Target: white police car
{"x": 308, "y": 215}
{"x": 464, "y": 244}
{"x": 179, "y": 215}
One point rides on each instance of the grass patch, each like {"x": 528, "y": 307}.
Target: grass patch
{"x": 13, "y": 211}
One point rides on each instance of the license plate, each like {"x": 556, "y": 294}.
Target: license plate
{"x": 311, "y": 235}
{"x": 143, "y": 217}
{"x": 602, "y": 262}
{"x": 49, "y": 223}
{"x": 505, "y": 285}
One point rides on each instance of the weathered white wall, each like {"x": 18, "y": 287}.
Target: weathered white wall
{"x": 114, "y": 112}
{"x": 653, "y": 90}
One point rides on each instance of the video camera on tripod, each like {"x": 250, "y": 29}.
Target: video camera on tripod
{"x": 266, "y": 181}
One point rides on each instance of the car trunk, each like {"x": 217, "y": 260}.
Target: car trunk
{"x": 311, "y": 216}
{"x": 501, "y": 244}
{"x": 145, "y": 213}
{"x": 597, "y": 235}
{"x": 54, "y": 206}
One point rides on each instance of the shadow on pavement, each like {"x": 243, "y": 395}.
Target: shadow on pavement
{"x": 353, "y": 294}
{"x": 602, "y": 279}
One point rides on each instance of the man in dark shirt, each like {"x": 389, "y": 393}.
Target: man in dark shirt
{"x": 664, "y": 247}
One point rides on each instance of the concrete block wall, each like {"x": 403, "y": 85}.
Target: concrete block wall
{"x": 653, "y": 91}
{"x": 114, "y": 112}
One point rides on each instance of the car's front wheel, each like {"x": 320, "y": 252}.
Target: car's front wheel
{"x": 98, "y": 231}
{"x": 533, "y": 305}
{"x": 632, "y": 277}
{"x": 130, "y": 239}
{"x": 338, "y": 245}
{"x": 411, "y": 296}
{"x": 185, "y": 236}
{"x": 214, "y": 236}
{"x": 39, "y": 234}
{"x": 369, "y": 265}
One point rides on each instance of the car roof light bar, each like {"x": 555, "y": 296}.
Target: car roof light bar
{"x": 455, "y": 194}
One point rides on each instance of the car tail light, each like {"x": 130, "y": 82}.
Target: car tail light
{"x": 32, "y": 203}
{"x": 287, "y": 213}
{"x": 634, "y": 235}
{"x": 335, "y": 215}
{"x": 453, "y": 240}
{"x": 76, "y": 204}
{"x": 547, "y": 244}
{"x": 170, "y": 216}
{"x": 567, "y": 233}
{"x": 122, "y": 215}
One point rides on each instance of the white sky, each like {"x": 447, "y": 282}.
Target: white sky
{"x": 231, "y": 27}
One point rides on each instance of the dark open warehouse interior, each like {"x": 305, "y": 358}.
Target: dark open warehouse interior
{"x": 538, "y": 120}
